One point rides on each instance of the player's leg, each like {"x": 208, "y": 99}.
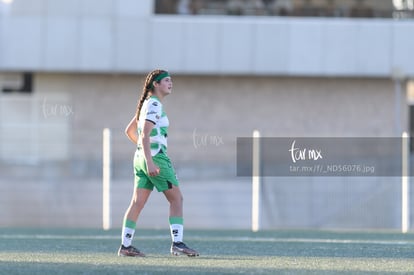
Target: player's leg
{"x": 176, "y": 220}
{"x": 167, "y": 183}
{"x": 138, "y": 201}
{"x": 142, "y": 191}
{"x": 175, "y": 200}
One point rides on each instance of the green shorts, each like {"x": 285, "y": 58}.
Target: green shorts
{"x": 163, "y": 181}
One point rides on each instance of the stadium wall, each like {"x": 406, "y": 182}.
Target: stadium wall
{"x": 110, "y": 36}
{"x": 54, "y": 171}
{"x": 299, "y": 77}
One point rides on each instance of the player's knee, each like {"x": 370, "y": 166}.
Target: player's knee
{"x": 180, "y": 198}
{"x": 177, "y": 201}
{"x": 137, "y": 204}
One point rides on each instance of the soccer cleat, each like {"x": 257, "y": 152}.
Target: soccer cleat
{"x": 130, "y": 251}
{"x": 179, "y": 248}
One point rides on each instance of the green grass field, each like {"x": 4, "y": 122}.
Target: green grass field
{"x": 34, "y": 251}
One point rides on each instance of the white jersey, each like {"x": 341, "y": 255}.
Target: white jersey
{"x": 152, "y": 111}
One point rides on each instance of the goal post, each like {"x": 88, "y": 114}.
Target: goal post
{"x": 106, "y": 180}
{"x": 405, "y": 187}
{"x": 256, "y": 181}
{"x": 256, "y": 206}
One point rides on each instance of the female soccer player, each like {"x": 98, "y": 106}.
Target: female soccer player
{"x": 148, "y": 130}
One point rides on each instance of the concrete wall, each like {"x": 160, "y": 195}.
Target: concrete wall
{"x": 207, "y": 113}
{"x": 283, "y": 76}
{"x": 213, "y": 106}
{"x": 125, "y": 37}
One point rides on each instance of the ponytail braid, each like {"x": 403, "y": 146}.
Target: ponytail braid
{"x": 147, "y": 88}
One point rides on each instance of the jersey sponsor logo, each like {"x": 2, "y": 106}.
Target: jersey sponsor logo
{"x": 151, "y": 113}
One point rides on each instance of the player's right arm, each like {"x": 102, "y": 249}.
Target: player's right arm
{"x": 131, "y": 130}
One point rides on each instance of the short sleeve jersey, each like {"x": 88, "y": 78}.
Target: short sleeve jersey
{"x": 152, "y": 111}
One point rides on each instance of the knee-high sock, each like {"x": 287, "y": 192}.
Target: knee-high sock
{"x": 128, "y": 231}
{"x": 177, "y": 228}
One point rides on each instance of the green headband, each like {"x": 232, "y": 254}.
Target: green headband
{"x": 159, "y": 77}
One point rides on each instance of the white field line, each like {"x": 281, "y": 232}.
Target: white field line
{"x": 206, "y": 238}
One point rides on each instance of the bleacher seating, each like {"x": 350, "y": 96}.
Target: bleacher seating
{"x": 299, "y": 8}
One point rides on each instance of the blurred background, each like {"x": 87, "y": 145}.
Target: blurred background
{"x": 299, "y": 68}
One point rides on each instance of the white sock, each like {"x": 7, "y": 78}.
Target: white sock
{"x": 127, "y": 236}
{"x": 177, "y": 232}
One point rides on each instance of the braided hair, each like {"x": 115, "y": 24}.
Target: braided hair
{"x": 147, "y": 88}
